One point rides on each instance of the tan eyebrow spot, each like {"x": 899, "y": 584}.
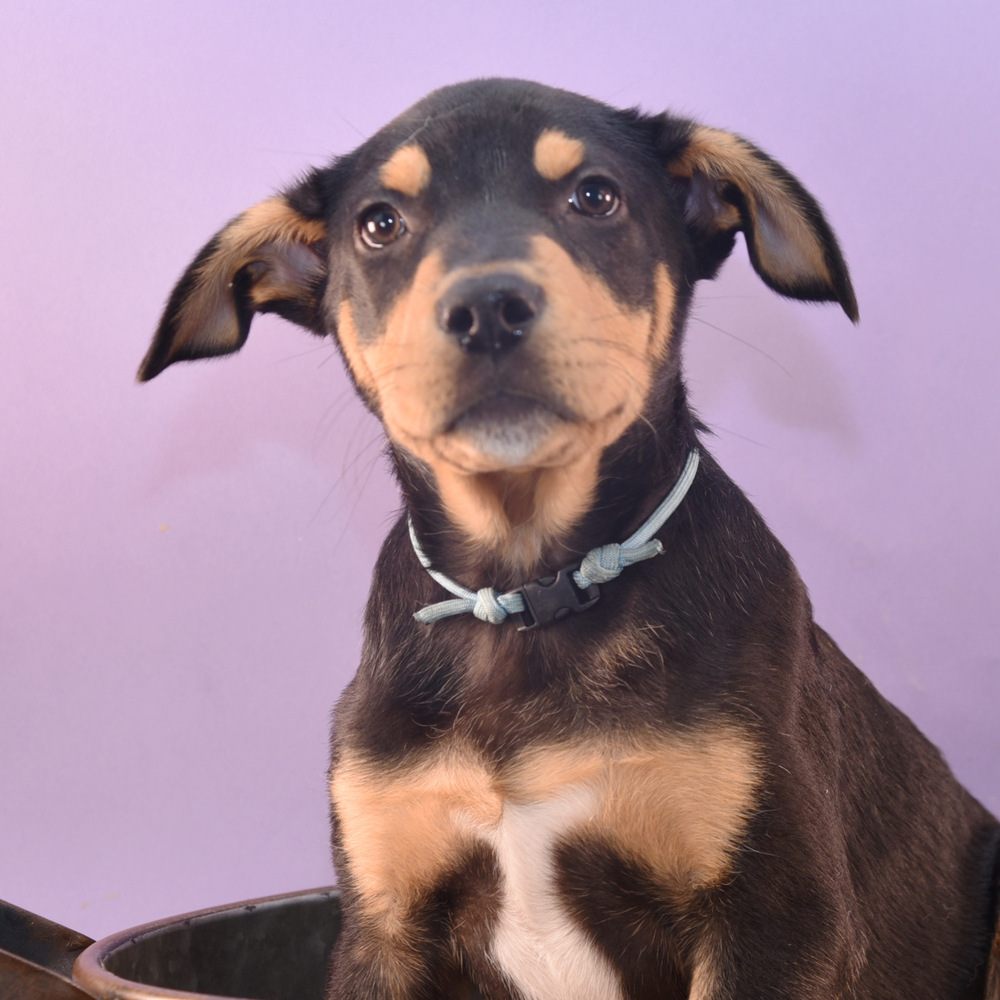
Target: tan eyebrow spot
{"x": 556, "y": 154}
{"x": 407, "y": 171}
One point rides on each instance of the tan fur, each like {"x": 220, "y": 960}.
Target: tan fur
{"x": 663, "y": 319}
{"x": 559, "y": 496}
{"x": 274, "y": 234}
{"x": 347, "y": 335}
{"x": 403, "y": 827}
{"x": 676, "y": 804}
{"x": 407, "y": 171}
{"x": 786, "y": 244}
{"x": 557, "y": 155}
{"x": 642, "y": 644}
{"x": 704, "y": 966}
{"x": 593, "y": 356}
{"x": 993, "y": 969}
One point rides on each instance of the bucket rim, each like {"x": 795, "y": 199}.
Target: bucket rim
{"x": 90, "y": 974}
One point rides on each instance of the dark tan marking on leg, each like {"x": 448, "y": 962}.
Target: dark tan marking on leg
{"x": 705, "y": 963}
{"x": 402, "y": 828}
{"x": 557, "y": 155}
{"x": 407, "y": 171}
{"x": 993, "y": 968}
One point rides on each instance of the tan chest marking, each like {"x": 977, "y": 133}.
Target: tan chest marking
{"x": 676, "y": 804}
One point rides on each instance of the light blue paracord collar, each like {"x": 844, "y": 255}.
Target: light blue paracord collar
{"x": 552, "y": 598}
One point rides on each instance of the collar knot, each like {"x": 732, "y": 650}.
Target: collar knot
{"x": 607, "y": 561}
{"x": 488, "y": 607}
{"x": 599, "y": 565}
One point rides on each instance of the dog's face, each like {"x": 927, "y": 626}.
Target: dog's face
{"x": 505, "y": 311}
{"x": 506, "y": 268}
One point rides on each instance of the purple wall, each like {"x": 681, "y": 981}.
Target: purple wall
{"x": 183, "y": 565}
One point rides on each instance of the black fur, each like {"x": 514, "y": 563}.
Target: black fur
{"x": 863, "y": 870}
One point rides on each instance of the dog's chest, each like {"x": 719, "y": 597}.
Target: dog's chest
{"x": 676, "y": 805}
{"x": 535, "y": 943}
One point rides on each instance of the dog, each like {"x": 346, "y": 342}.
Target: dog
{"x": 596, "y": 747}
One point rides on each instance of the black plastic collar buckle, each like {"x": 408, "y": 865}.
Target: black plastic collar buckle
{"x": 553, "y": 598}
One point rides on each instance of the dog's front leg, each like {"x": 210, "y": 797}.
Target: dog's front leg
{"x": 395, "y": 957}
{"x": 417, "y": 882}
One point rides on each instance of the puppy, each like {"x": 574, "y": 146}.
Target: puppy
{"x": 596, "y": 748}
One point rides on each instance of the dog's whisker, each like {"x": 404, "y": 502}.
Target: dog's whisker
{"x": 745, "y": 343}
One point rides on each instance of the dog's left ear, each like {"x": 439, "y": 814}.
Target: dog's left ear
{"x": 269, "y": 259}
{"x": 729, "y": 185}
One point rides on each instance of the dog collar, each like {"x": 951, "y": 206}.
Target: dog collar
{"x": 573, "y": 588}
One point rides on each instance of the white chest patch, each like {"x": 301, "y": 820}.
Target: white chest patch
{"x": 537, "y": 945}
{"x": 676, "y": 802}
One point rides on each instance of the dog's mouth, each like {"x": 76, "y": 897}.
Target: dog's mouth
{"x": 507, "y": 430}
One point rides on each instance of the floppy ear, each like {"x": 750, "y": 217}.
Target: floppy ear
{"x": 269, "y": 259}
{"x": 731, "y": 185}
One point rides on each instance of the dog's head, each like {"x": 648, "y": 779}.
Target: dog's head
{"x": 507, "y": 268}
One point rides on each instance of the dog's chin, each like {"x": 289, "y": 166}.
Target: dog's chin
{"x": 507, "y": 434}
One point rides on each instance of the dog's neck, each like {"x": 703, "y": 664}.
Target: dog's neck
{"x": 547, "y": 518}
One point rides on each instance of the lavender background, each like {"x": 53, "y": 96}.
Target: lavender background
{"x": 183, "y": 565}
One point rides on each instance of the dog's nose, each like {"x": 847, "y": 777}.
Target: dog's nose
{"x": 490, "y": 313}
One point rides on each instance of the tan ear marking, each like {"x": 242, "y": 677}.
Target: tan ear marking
{"x": 269, "y": 231}
{"x": 407, "y": 171}
{"x": 279, "y": 245}
{"x": 272, "y": 221}
{"x": 556, "y": 154}
{"x": 787, "y": 244}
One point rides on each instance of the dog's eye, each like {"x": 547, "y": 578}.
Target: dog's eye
{"x": 595, "y": 196}
{"x": 380, "y": 225}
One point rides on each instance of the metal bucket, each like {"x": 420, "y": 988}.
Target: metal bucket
{"x": 265, "y": 949}
{"x": 36, "y": 956}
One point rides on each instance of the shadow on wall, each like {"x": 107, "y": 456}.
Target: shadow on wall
{"x": 284, "y": 387}
{"x": 742, "y": 337}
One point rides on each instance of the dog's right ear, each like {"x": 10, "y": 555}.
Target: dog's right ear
{"x": 730, "y": 185}
{"x": 269, "y": 259}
